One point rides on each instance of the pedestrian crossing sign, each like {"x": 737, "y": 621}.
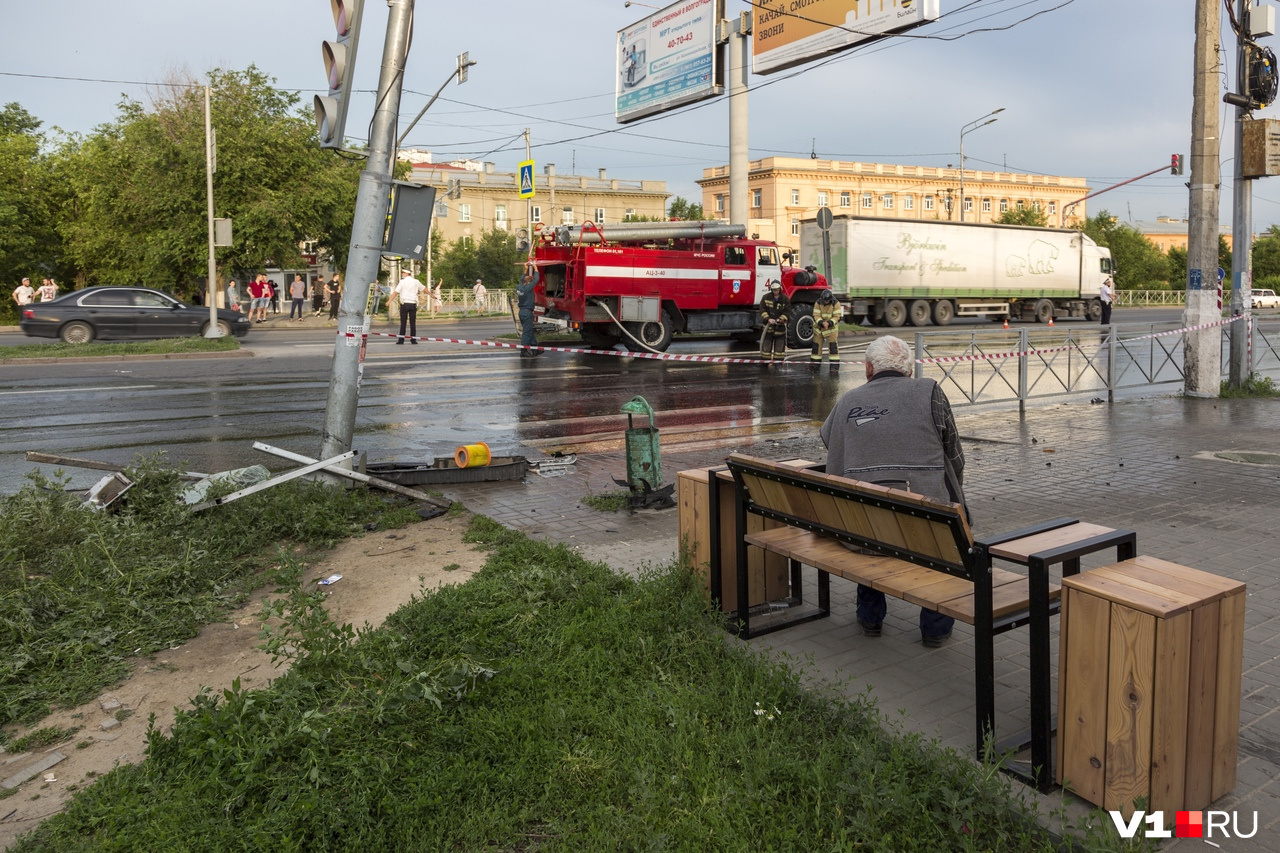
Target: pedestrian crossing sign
{"x": 526, "y": 179}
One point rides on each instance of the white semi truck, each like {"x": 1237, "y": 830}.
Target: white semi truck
{"x": 896, "y": 271}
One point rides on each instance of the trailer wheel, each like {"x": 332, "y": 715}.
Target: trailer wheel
{"x": 943, "y": 312}
{"x": 1044, "y": 311}
{"x": 895, "y": 313}
{"x": 800, "y": 326}
{"x": 653, "y": 335}
{"x": 1094, "y": 310}
{"x": 920, "y": 312}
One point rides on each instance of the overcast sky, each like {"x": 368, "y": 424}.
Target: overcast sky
{"x": 1093, "y": 88}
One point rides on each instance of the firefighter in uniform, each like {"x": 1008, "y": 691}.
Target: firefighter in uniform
{"x": 826, "y": 326}
{"x": 773, "y": 315}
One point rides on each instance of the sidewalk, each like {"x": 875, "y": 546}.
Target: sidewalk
{"x": 1145, "y": 465}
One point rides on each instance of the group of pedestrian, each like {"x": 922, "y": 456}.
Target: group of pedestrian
{"x": 25, "y": 294}
{"x": 261, "y": 295}
{"x": 775, "y": 316}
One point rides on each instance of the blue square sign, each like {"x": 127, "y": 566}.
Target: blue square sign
{"x": 526, "y": 179}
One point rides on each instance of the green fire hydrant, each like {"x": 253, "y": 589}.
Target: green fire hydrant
{"x": 644, "y": 458}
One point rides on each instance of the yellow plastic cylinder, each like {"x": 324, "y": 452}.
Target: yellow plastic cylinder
{"x": 472, "y": 456}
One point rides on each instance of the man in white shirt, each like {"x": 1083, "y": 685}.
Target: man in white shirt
{"x": 48, "y": 290}
{"x": 480, "y": 293}
{"x": 408, "y": 291}
{"x": 1107, "y": 294}
{"x": 24, "y": 293}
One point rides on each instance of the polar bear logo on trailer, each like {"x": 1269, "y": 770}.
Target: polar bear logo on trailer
{"x": 1038, "y": 261}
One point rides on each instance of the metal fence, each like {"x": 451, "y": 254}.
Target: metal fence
{"x": 991, "y": 366}
{"x": 1140, "y": 298}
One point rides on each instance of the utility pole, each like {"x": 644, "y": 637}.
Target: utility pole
{"x": 528, "y": 203}
{"x": 1241, "y": 217}
{"x": 373, "y": 200}
{"x": 1202, "y": 352}
{"x": 735, "y": 37}
{"x": 213, "y": 331}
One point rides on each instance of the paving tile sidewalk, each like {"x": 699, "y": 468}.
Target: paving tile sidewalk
{"x": 1145, "y": 465}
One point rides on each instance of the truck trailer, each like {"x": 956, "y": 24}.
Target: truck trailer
{"x": 640, "y": 283}
{"x": 896, "y": 271}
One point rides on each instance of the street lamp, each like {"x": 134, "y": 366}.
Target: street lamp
{"x": 969, "y": 127}
{"x": 630, "y": 3}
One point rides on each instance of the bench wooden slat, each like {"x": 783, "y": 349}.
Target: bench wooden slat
{"x": 1018, "y": 550}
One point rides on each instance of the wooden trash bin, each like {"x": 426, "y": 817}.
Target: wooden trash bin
{"x": 768, "y": 575}
{"x": 1149, "y": 667}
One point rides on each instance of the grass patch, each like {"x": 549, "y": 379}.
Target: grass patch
{"x": 1254, "y": 386}
{"x": 83, "y": 592}
{"x": 548, "y": 704}
{"x": 608, "y": 502}
{"x": 40, "y": 738}
{"x": 163, "y": 346}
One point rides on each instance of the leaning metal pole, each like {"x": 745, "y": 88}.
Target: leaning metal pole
{"x": 373, "y": 200}
{"x": 1241, "y": 222}
{"x": 1202, "y": 352}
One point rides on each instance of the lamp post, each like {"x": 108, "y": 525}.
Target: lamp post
{"x": 968, "y": 128}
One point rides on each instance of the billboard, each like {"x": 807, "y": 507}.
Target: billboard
{"x": 668, "y": 59}
{"x": 790, "y": 32}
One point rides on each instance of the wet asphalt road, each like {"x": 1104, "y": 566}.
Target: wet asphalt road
{"x": 416, "y": 403}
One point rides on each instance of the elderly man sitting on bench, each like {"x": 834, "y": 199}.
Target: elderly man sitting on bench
{"x": 896, "y": 431}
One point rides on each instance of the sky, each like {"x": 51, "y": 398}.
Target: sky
{"x": 1098, "y": 89}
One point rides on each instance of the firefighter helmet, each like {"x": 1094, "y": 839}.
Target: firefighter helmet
{"x": 827, "y": 297}
{"x": 775, "y": 285}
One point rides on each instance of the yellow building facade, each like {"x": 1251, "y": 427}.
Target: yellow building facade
{"x": 783, "y": 191}
{"x": 484, "y": 199}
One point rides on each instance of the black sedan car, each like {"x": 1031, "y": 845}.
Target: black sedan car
{"x": 117, "y": 313}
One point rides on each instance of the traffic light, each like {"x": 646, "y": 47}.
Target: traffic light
{"x": 1175, "y": 165}
{"x": 340, "y": 65}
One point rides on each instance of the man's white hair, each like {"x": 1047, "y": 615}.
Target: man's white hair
{"x": 890, "y": 353}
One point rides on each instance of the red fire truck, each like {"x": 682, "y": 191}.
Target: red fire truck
{"x": 638, "y": 283}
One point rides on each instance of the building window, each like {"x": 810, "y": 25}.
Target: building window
{"x": 1021, "y": 204}
{"x": 928, "y": 202}
{"x": 866, "y": 201}
{"x": 795, "y": 228}
{"x": 599, "y": 215}
{"x": 908, "y": 202}
{"x": 566, "y": 216}
{"x": 846, "y": 200}
{"x": 822, "y": 199}
{"x": 755, "y": 197}
{"x": 631, "y": 214}
{"x": 442, "y": 209}
{"x": 986, "y": 205}
{"x": 1035, "y": 205}
{"x": 535, "y": 213}
{"x": 720, "y": 204}
{"x": 1004, "y": 205}
{"x": 500, "y": 217}
{"x": 968, "y": 205}
{"x": 886, "y": 201}
{"x": 464, "y": 213}
{"x": 795, "y": 196}
{"x": 1053, "y": 207}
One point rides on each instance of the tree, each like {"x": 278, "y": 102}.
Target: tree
{"x": 682, "y": 209}
{"x": 458, "y": 266}
{"x": 30, "y": 197}
{"x": 1023, "y": 216}
{"x": 1266, "y": 254}
{"x": 138, "y": 185}
{"x": 1140, "y": 265}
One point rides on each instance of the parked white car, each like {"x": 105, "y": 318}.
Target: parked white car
{"x": 1265, "y": 299}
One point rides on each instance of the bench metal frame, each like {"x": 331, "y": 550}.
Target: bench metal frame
{"x": 975, "y": 566}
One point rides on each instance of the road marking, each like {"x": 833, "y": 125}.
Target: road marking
{"x": 99, "y": 388}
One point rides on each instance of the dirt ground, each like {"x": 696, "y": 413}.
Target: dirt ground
{"x": 380, "y": 571}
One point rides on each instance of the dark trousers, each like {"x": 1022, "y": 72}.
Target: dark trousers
{"x": 333, "y": 307}
{"x": 1106, "y": 313}
{"x": 409, "y": 313}
{"x": 872, "y": 608}
{"x": 772, "y": 346}
{"x": 295, "y": 305}
{"x": 527, "y": 338}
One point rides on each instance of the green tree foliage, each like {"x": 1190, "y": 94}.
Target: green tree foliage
{"x": 1266, "y": 254}
{"x": 1024, "y": 216}
{"x": 30, "y": 197}
{"x": 139, "y": 185}
{"x": 683, "y": 209}
{"x": 495, "y": 259}
{"x": 1140, "y": 265}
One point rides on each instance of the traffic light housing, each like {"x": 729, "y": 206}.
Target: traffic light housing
{"x": 1175, "y": 165}
{"x": 339, "y": 65}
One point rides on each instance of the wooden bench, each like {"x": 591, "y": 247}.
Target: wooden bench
{"x": 925, "y": 554}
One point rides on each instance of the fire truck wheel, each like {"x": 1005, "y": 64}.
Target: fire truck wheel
{"x": 895, "y": 313}
{"x": 654, "y": 335}
{"x": 601, "y": 336}
{"x": 800, "y": 326}
{"x": 921, "y": 312}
